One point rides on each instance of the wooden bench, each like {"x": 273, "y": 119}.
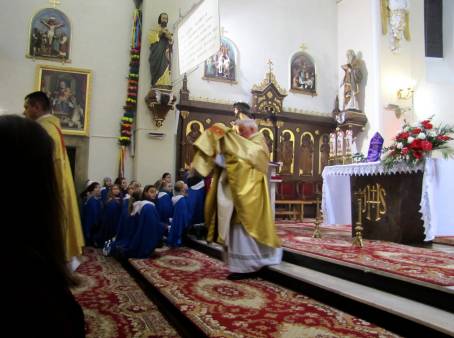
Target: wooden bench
{"x": 293, "y": 209}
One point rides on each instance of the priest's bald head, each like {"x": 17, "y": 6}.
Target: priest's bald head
{"x": 246, "y": 127}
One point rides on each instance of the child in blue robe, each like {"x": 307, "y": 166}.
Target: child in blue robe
{"x": 111, "y": 215}
{"x": 126, "y": 223}
{"x": 149, "y": 228}
{"x": 91, "y": 212}
{"x": 166, "y": 184}
{"x": 196, "y": 199}
{"x": 107, "y": 185}
{"x": 164, "y": 206}
{"x": 180, "y": 219}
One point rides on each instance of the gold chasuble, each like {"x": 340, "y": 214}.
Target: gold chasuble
{"x": 67, "y": 194}
{"x": 246, "y": 162}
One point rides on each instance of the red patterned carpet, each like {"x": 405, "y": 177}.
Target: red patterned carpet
{"x": 198, "y": 287}
{"x": 113, "y": 304}
{"x": 419, "y": 264}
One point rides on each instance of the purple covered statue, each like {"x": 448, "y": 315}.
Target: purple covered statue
{"x": 375, "y": 147}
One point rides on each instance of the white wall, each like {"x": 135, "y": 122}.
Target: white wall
{"x": 273, "y": 29}
{"x": 358, "y": 28}
{"x": 261, "y": 30}
{"x": 100, "y": 42}
{"x": 402, "y": 69}
{"x": 387, "y": 72}
{"x": 434, "y": 95}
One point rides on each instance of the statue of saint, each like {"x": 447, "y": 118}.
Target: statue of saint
{"x": 161, "y": 41}
{"x": 351, "y": 81}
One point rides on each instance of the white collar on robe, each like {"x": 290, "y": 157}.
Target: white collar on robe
{"x": 126, "y": 197}
{"x": 176, "y": 198}
{"x": 198, "y": 186}
{"x": 137, "y": 206}
{"x": 162, "y": 194}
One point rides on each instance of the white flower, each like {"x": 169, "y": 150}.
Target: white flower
{"x": 431, "y": 133}
{"x": 407, "y": 128}
{"x": 399, "y": 145}
{"x": 410, "y": 139}
{"x": 421, "y": 136}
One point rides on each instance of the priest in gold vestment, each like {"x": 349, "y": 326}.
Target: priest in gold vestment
{"x": 37, "y": 107}
{"x": 237, "y": 208}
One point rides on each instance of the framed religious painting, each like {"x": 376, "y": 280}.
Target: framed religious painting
{"x": 222, "y": 66}
{"x": 303, "y": 74}
{"x": 69, "y": 92}
{"x": 50, "y": 36}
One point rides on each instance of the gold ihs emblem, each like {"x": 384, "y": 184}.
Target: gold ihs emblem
{"x": 373, "y": 201}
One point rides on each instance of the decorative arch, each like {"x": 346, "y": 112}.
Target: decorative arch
{"x": 193, "y": 130}
{"x": 306, "y": 165}
{"x": 287, "y": 152}
{"x": 223, "y": 65}
{"x": 324, "y": 150}
{"x": 269, "y": 140}
{"x": 303, "y": 75}
{"x": 50, "y": 36}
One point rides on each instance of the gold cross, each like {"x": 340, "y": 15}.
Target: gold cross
{"x": 54, "y": 3}
{"x": 303, "y": 47}
{"x": 270, "y": 65}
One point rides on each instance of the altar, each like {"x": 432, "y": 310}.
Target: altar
{"x": 433, "y": 207}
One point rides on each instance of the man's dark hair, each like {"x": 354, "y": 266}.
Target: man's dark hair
{"x": 39, "y": 98}
{"x": 164, "y": 175}
{"x": 160, "y": 15}
{"x": 244, "y": 108}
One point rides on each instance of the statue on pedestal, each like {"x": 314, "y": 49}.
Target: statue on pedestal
{"x": 160, "y": 98}
{"x": 351, "y": 82}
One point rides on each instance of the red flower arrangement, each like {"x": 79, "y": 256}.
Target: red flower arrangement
{"x": 413, "y": 143}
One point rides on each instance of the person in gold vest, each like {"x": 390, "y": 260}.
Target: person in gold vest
{"x": 237, "y": 208}
{"x": 37, "y": 107}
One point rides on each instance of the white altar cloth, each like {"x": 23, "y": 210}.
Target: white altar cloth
{"x": 437, "y": 197}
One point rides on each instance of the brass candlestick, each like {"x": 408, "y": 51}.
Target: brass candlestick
{"x": 358, "y": 239}
{"x": 318, "y": 220}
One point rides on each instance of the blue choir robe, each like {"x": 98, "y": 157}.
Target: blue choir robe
{"x": 149, "y": 232}
{"x": 196, "y": 203}
{"x": 126, "y": 230}
{"x": 111, "y": 217}
{"x": 167, "y": 192}
{"x": 91, "y": 219}
{"x": 164, "y": 207}
{"x": 180, "y": 221}
{"x": 104, "y": 195}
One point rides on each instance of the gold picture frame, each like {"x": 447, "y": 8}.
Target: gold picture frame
{"x": 69, "y": 90}
{"x": 50, "y": 36}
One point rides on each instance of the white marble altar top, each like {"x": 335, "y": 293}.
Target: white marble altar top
{"x": 369, "y": 168}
